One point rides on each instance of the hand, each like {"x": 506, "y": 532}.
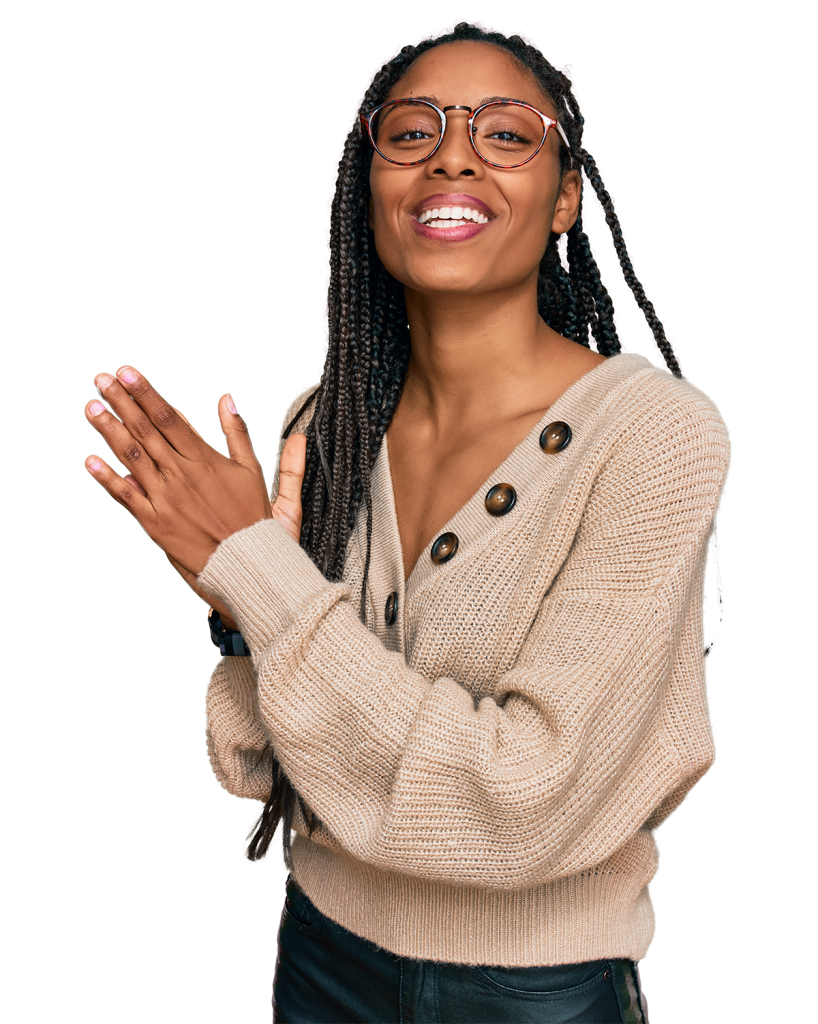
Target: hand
{"x": 286, "y": 495}
{"x": 187, "y": 496}
{"x": 289, "y": 496}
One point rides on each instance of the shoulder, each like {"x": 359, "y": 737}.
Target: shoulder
{"x": 646, "y": 439}
{"x": 638, "y": 407}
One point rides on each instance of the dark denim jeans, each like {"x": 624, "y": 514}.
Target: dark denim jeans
{"x": 325, "y": 974}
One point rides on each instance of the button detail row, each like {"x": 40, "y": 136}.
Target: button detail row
{"x": 500, "y": 499}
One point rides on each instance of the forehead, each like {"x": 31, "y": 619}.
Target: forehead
{"x": 467, "y": 73}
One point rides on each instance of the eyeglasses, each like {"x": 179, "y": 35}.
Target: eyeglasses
{"x": 503, "y": 133}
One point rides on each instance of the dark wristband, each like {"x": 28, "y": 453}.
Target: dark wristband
{"x": 229, "y": 641}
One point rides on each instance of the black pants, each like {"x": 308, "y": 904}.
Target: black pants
{"x": 325, "y": 974}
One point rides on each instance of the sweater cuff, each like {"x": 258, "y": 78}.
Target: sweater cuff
{"x": 266, "y": 580}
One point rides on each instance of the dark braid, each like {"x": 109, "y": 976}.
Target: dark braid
{"x": 591, "y": 172}
{"x": 369, "y": 346}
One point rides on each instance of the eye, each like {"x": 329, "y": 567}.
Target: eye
{"x": 403, "y": 136}
{"x": 410, "y": 134}
{"x": 507, "y": 136}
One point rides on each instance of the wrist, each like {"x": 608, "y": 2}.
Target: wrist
{"x": 229, "y": 641}
{"x": 228, "y": 622}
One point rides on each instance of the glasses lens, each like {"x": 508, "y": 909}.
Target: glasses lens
{"x": 504, "y": 134}
{"x": 407, "y": 132}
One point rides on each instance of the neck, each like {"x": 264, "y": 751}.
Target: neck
{"x": 475, "y": 352}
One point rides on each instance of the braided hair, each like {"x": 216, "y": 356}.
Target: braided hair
{"x": 369, "y": 345}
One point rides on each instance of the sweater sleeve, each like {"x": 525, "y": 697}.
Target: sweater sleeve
{"x": 238, "y": 747}
{"x": 599, "y": 729}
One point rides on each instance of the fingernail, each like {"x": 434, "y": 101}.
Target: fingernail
{"x": 126, "y": 373}
{"x": 104, "y": 380}
{"x": 96, "y": 408}
{"x": 230, "y": 405}
{"x": 94, "y": 465}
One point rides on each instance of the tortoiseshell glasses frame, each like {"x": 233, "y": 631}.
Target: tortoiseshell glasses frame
{"x": 547, "y": 122}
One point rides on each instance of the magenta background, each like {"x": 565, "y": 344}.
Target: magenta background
{"x": 151, "y": 181}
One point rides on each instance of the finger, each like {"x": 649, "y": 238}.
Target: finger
{"x": 287, "y": 505}
{"x": 129, "y": 479}
{"x": 291, "y": 467}
{"x": 123, "y": 444}
{"x": 135, "y": 419}
{"x": 120, "y": 490}
{"x": 238, "y": 436}
{"x": 170, "y": 424}
{"x": 264, "y": 437}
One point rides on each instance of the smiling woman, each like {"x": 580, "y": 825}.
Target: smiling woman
{"x": 462, "y": 652}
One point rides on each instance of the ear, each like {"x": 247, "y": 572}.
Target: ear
{"x": 567, "y": 208}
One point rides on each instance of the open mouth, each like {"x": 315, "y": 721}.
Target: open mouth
{"x": 452, "y": 217}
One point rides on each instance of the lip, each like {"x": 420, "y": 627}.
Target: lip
{"x": 451, "y": 199}
{"x": 450, "y": 234}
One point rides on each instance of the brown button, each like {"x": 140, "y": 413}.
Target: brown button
{"x": 391, "y": 612}
{"x": 444, "y": 547}
{"x": 555, "y": 437}
{"x": 501, "y": 499}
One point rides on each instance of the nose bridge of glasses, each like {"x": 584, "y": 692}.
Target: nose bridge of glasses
{"x": 444, "y": 131}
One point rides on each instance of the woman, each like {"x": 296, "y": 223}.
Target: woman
{"x": 477, "y": 685}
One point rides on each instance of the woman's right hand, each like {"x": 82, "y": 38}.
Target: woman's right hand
{"x": 287, "y": 510}
{"x": 187, "y": 578}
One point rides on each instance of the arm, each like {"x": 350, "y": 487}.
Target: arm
{"x": 239, "y": 748}
{"x": 227, "y": 620}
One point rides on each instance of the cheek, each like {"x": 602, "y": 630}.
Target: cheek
{"x": 379, "y": 222}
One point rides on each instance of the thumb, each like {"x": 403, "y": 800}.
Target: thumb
{"x": 238, "y": 437}
{"x": 287, "y": 506}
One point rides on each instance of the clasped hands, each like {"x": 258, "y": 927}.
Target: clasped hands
{"x": 187, "y": 496}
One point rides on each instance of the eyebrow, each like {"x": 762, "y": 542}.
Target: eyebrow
{"x": 485, "y": 99}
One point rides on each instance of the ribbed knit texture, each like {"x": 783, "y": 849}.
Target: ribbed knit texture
{"x": 489, "y": 770}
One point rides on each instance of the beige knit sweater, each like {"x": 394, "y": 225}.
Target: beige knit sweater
{"x": 489, "y": 770}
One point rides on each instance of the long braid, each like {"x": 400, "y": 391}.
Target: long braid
{"x": 369, "y": 347}
{"x": 361, "y": 349}
{"x": 594, "y": 297}
{"x": 591, "y": 172}
{"x": 584, "y": 285}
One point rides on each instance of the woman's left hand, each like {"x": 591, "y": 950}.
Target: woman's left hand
{"x": 187, "y": 496}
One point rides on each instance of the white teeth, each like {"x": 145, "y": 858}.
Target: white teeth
{"x": 448, "y": 215}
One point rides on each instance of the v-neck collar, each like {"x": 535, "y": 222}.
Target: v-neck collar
{"x": 525, "y": 468}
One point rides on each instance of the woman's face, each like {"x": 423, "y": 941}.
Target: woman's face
{"x": 523, "y": 204}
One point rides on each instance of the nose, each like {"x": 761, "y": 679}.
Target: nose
{"x": 456, "y": 144}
